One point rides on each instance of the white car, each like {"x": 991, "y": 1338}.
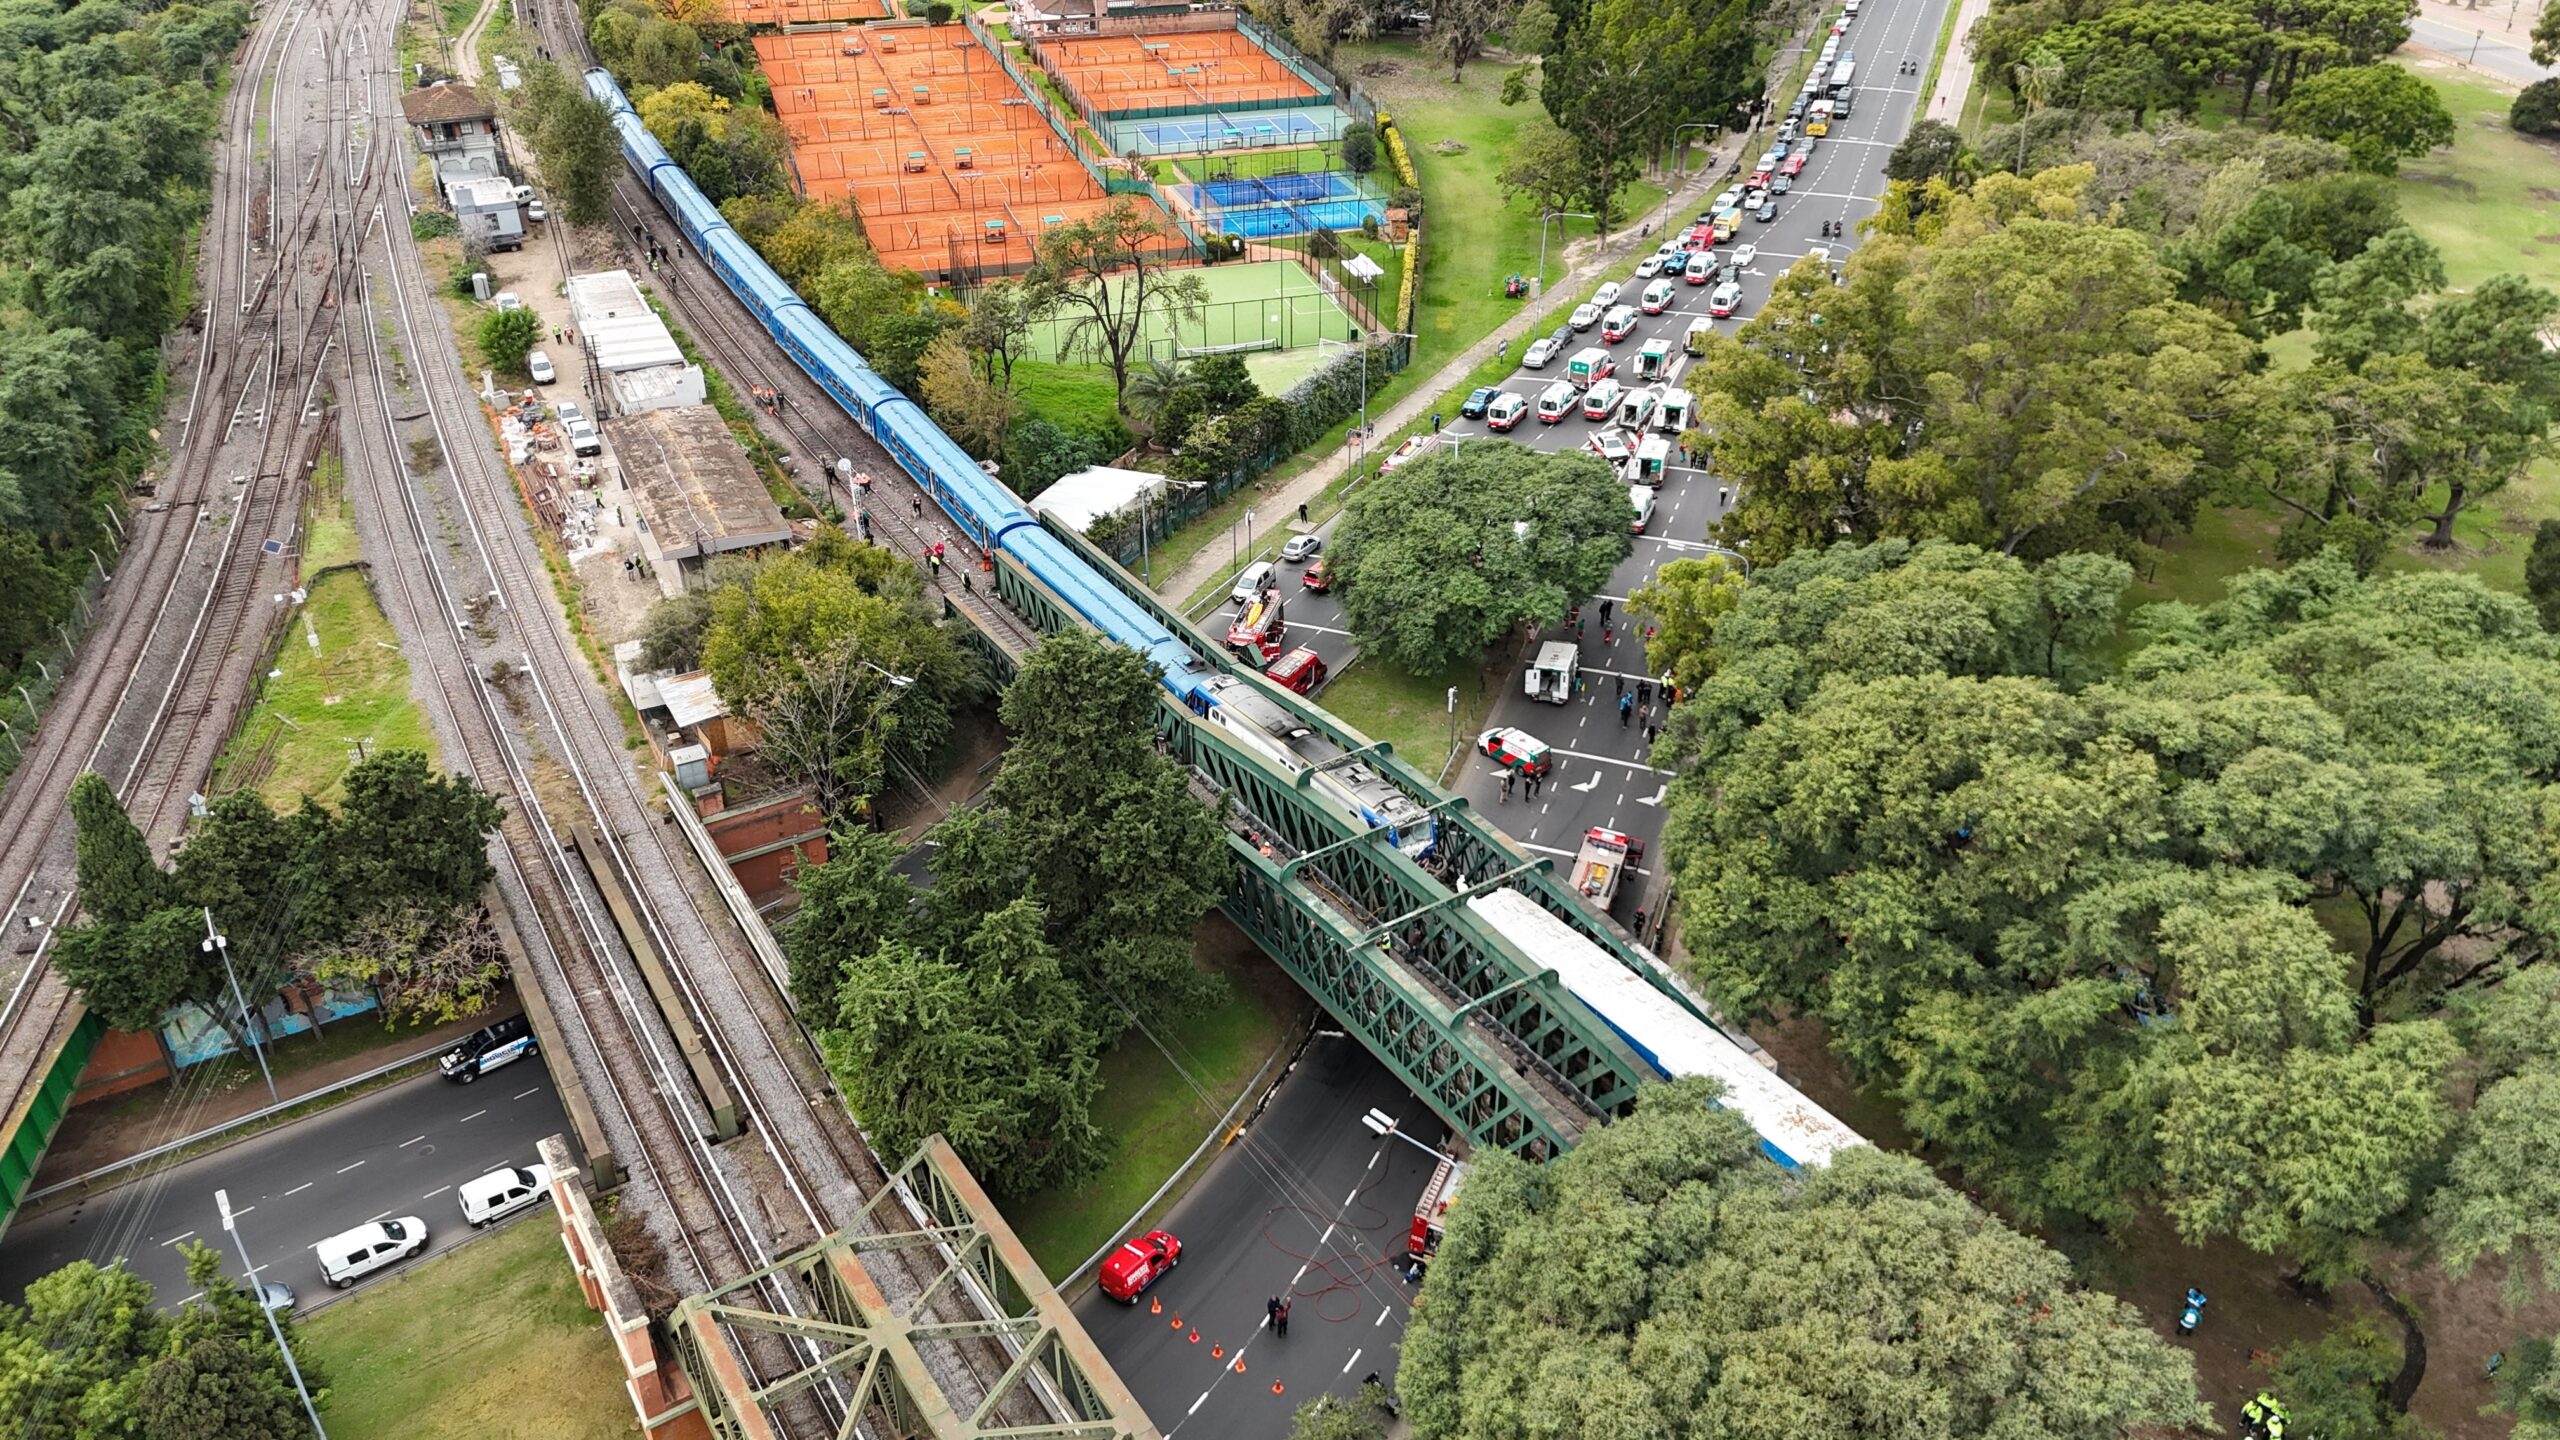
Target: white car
{"x": 503, "y": 1192}
{"x": 1731, "y": 196}
{"x": 1608, "y": 295}
{"x": 1586, "y": 316}
{"x": 1611, "y": 446}
{"x": 534, "y": 212}
{"x": 351, "y": 1255}
{"x": 584, "y": 438}
{"x": 1650, "y": 266}
{"x": 1540, "y": 353}
{"x": 506, "y": 300}
{"x": 1743, "y": 255}
{"x": 538, "y": 365}
{"x": 1302, "y": 547}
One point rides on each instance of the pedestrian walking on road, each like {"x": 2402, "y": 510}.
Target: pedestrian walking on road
{"x": 1279, "y": 1312}
{"x": 1622, "y": 685}
{"x": 1537, "y": 782}
{"x": 918, "y": 502}
{"x": 1507, "y": 777}
{"x": 1626, "y": 708}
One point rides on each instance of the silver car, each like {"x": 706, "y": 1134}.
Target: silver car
{"x": 1540, "y": 354}
{"x": 1585, "y": 316}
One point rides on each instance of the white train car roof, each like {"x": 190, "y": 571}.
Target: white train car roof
{"x": 1793, "y": 1130}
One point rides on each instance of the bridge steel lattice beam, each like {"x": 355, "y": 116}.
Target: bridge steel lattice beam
{"x": 872, "y": 1349}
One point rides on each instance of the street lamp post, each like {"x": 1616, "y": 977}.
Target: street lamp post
{"x": 1543, "y": 307}
{"x": 216, "y": 943}
{"x": 222, "y": 1199}
{"x": 1364, "y": 390}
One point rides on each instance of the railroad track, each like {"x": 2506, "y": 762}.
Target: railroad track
{"x": 155, "y": 687}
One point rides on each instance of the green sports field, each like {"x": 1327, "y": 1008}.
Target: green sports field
{"x": 1266, "y": 305}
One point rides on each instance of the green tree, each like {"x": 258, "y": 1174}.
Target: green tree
{"x": 849, "y": 907}
{"x": 1459, "y": 29}
{"x": 2529, "y": 1383}
{"x": 2382, "y": 114}
{"x": 806, "y": 644}
{"x": 1533, "y": 29}
{"x": 1361, "y": 1415}
{"x": 507, "y": 336}
{"x": 573, "y": 142}
{"x": 129, "y": 973}
{"x": 408, "y": 835}
{"x": 1442, "y": 556}
{"x": 985, "y": 1043}
{"x": 2360, "y": 307}
{"x": 1931, "y": 149}
{"x": 1566, "y": 1301}
{"x": 119, "y": 881}
{"x": 976, "y": 409}
{"x": 1680, "y": 606}
{"x": 1105, "y": 827}
{"x": 1109, "y": 273}
{"x": 2542, "y": 573}
{"x": 998, "y": 330}
{"x": 1544, "y": 165}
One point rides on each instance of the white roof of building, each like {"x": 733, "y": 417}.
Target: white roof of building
{"x": 690, "y": 699}
{"x": 616, "y": 325}
{"x": 485, "y": 192}
{"x": 640, "y": 685}
{"x": 655, "y": 385}
{"x": 1078, "y": 500}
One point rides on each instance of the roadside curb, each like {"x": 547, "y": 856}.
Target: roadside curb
{"x": 1221, "y": 1135}
{"x": 175, "y": 1152}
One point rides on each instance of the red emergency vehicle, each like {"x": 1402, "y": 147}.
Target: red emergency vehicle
{"x": 1433, "y": 1212}
{"x": 1260, "y": 632}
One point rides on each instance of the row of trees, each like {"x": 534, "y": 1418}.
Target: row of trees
{"x": 383, "y": 890}
{"x": 106, "y": 126}
{"x": 90, "y": 1354}
{"x": 2249, "y": 927}
{"x": 2139, "y": 56}
{"x": 2002, "y": 366}
{"x": 1059, "y": 914}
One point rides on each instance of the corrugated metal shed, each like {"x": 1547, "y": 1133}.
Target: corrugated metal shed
{"x": 616, "y": 325}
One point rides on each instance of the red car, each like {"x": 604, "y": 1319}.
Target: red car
{"x": 1140, "y": 1263}
{"x": 1794, "y": 166}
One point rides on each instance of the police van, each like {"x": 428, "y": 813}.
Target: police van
{"x": 482, "y": 1051}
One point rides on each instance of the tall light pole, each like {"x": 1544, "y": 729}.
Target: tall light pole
{"x": 1364, "y": 389}
{"x": 1679, "y": 161}
{"x": 216, "y": 943}
{"x": 1543, "y": 307}
{"x": 257, "y": 1294}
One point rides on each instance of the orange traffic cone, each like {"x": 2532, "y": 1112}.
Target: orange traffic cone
{"x": 1177, "y": 1319}
{"x": 1217, "y": 1352}
{"x": 1277, "y": 1387}
{"x": 1195, "y": 1337}
{"x": 1155, "y": 1306}
{"x": 1239, "y": 1362}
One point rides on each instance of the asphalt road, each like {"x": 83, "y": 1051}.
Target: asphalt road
{"x": 397, "y": 1152}
{"x": 1308, "y": 1204}
{"x": 1602, "y": 775}
{"x": 2485, "y": 44}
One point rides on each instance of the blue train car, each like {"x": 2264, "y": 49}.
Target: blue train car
{"x": 986, "y": 512}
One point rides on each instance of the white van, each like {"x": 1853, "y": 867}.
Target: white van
{"x": 1702, "y": 266}
{"x": 1250, "y": 585}
{"x": 1653, "y": 458}
{"x": 1673, "y": 414}
{"x": 1637, "y": 408}
{"x": 351, "y": 1255}
{"x": 503, "y": 1192}
{"x": 1657, "y": 297}
{"x": 1550, "y": 678}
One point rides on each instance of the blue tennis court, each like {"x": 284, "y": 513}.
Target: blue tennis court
{"x": 1266, "y": 189}
{"x": 1208, "y": 131}
{"x": 1261, "y": 222}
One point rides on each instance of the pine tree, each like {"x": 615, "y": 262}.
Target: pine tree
{"x": 119, "y": 883}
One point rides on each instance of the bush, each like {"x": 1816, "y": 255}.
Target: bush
{"x": 2537, "y": 109}
{"x": 938, "y": 13}
{"x": 1359, "y": 148}
{"x": 431, "y": 224}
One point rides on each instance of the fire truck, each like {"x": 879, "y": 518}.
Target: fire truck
{"x": 1433, "y": 1211}
{"x": 1603, "y": 859}
{"x": 1260, "y": 633}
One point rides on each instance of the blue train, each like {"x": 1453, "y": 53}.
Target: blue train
{"x": 992, "y": 516}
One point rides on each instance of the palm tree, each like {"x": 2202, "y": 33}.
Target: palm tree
{"x": 1150, "y": 389}
{"x": 2039, "y": 80}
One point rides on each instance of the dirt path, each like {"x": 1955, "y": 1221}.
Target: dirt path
{"x": 466, "y": 46}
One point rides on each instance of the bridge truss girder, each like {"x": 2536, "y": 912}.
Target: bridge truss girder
{"x": 873, "y": 1351}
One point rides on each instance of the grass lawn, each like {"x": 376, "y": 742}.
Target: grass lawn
{"x": 339, "y": 680}
{"x": 1075, "y": 398}
{"x": 1411, "y": 712}
{"x": 2491, "y": 204}
{"x": 1152, "y": 1115}
{"x": 2491, "y": 201}
{"x": 491, "y": 1340}
{"x": 1304, "y": 160}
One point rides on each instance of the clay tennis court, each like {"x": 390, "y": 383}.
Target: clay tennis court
{"x": 802, "y": 12}
{"x": 1209, "y": 70}
{"x": 949, "y": 166}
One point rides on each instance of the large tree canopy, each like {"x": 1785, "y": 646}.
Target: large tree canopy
{"x": 1663, "y": 1280}
{"x": 2082, "y": 922}
{"x": 1439, "y": 557}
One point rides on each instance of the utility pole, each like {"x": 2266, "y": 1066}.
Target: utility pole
{"x": 215, "y": 943}
{"x": 222, "y": 1199}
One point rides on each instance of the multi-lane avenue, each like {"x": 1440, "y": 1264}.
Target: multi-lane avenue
{"x": 397, "y": 1152}
{"x": 1604, "y": 775}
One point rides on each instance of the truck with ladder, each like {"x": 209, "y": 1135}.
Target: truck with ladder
{"x": 1604, "y": 858}
{"x": 1431, "y": 1214}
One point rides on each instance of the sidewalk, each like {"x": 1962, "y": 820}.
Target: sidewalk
{"x": 1601, "y": 262}
{"x": 1955, "y": 73}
